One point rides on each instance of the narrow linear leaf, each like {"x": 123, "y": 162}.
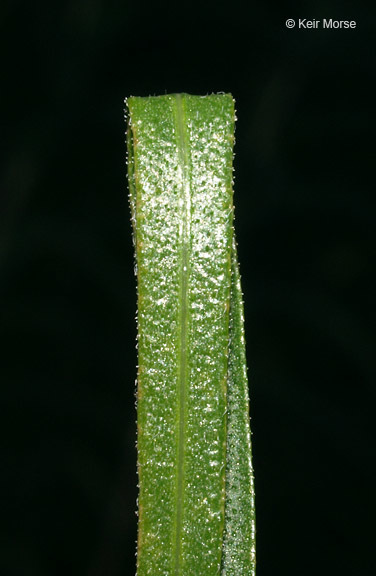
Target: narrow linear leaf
{"x": 239, "y": 551}
{"x": 180, "y": 150}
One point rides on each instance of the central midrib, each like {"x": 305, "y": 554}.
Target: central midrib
{"x": 184, "y": 234}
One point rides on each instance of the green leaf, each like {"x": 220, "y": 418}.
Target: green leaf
{"x": 196, "y": 512}
{"x": 239, "y": 553}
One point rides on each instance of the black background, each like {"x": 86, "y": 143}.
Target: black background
{"x": 305, "y": 212}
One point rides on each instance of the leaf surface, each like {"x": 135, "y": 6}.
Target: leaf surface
{"x": 180, "y": 150}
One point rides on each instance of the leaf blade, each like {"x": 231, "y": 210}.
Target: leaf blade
{"x": 180, "y": 177}
{"x": 239, "y": 547}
